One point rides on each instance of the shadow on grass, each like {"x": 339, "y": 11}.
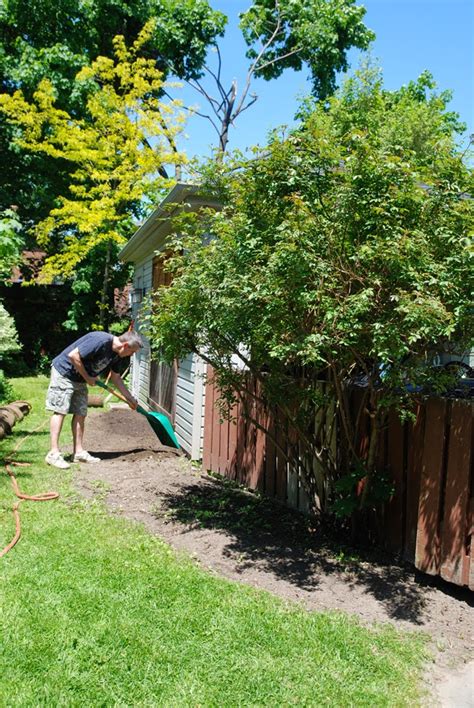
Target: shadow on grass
{"x": 267, "y": 536}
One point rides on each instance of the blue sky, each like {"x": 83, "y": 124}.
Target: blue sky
{"x": 411, "y": 36}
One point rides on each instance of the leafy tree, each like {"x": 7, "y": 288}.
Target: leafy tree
{"x": 10, "y": 242}
{"x": 115, "y": 153}
{"x": 10, "y": 251}
{"x": 317, "y": 34}
{"x": 84, "y": 313}
{"x": 8, "y": 334}
{"x": 8, "y": 345}
{"x": 54, "y": 40}
{"x": 10, "y": 255}
{"x": 341, "y": 253}
{"x": 62, "y": 36}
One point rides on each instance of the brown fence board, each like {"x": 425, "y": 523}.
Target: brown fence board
{"x": 415, "y": 438}
{"x": 262, "y": 417}
{"x": 207, "y": 444}
{"x": 216, "y": 436}
{"x": 248, "y": 454}
{"x": 232, "y": 442}
{"x": 395, "y": 507}
{"x": 292, "y": 488}
{"x": 225, "y": 456}
{"x": 223, "y": 445}
{"x": 259, "y": 473}
{"x": 427, "y": 555}
{"x": 238, "y": 464}
{"x": 270, "y": 461}
{"x": 281, "y": 463}
{"x": 470, "y": 580}
{"x": 304, "y": 503}
{"x": 454, "y": 558}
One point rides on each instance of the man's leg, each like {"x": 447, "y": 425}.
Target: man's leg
{"x": 54, "y": 457}
{"x": 77, "y": 427}
{"x": 80, "y": 455}
{"x": 57, "y": 400}
{"x": 79, "y": 412}
{"x": 56, "y": 424}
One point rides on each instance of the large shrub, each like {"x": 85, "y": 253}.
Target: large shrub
{"x": 342, "y": 251}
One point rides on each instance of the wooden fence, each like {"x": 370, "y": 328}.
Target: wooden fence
{"x": 429, "y": 520}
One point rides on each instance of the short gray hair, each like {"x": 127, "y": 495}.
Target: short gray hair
{"x": 132, "y": 338}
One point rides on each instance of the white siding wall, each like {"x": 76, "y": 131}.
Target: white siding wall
{"x": 199, "y": 408}
{"x": 189, "y": 420}
{"x": 185, "y": 403}
{"x": 141, "y": 361}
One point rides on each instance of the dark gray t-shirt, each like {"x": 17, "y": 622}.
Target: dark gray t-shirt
{"x": 96, "y": 353}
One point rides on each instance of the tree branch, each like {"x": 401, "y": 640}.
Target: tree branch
{"x": 252, "y": 68}
{"x": 277, "y": 59}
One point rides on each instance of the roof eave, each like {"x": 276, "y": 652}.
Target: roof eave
{"x": 139, "y": 244}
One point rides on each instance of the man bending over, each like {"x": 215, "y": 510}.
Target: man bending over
{"x": 78, "y": 365}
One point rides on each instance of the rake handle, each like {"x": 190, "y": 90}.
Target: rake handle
{"x": 113, "y": 392}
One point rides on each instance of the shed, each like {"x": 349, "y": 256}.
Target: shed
{"x": 177, "y": 390}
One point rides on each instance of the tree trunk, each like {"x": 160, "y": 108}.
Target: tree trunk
{"x": 104, "y": 308}
{"x": 226, "y": 121}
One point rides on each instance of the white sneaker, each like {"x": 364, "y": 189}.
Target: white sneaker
{"x": 56, "y": 460}
{"x": 85, "y": 456}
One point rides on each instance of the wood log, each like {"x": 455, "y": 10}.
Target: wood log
{"x": 8, "y": 416}
{"x": 95, "y": 401}
{"x": 19, "y": 415}
{"x": 24, "y": 406}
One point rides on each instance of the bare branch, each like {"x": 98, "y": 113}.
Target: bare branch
{"x": 195, "y": 111}
{"x": 208, "y": 117}
{"x": 250, "y": 103}
{"x": 277, "y": 59}
{"x": 197, "y": 87}
{"x": 252, "y": 68}
{"x": 218, "y": 82}
{"x": 227, "y": 110}
{"x": 219, "y": 63}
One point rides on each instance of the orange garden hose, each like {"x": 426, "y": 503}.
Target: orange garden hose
{"x": 47, "y": 496}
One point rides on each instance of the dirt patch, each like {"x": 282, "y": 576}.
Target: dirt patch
{"x": 242, "y": 537}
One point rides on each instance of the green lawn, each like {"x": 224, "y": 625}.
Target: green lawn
{"x": 96, "y": 612}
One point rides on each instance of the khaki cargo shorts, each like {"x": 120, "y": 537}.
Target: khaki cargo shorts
{"x": 65, "y": 396}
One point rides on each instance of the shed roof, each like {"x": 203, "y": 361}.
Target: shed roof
{"x": 152, "y": 233}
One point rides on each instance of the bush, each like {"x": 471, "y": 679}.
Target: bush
{"x": 342, "y": 250}
{"x": 7, "y": 393}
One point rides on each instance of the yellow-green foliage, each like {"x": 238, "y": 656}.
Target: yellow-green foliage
{"x": 115, "y": 153}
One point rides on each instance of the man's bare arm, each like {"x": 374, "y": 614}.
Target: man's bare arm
{"x": 117, "y": 380}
